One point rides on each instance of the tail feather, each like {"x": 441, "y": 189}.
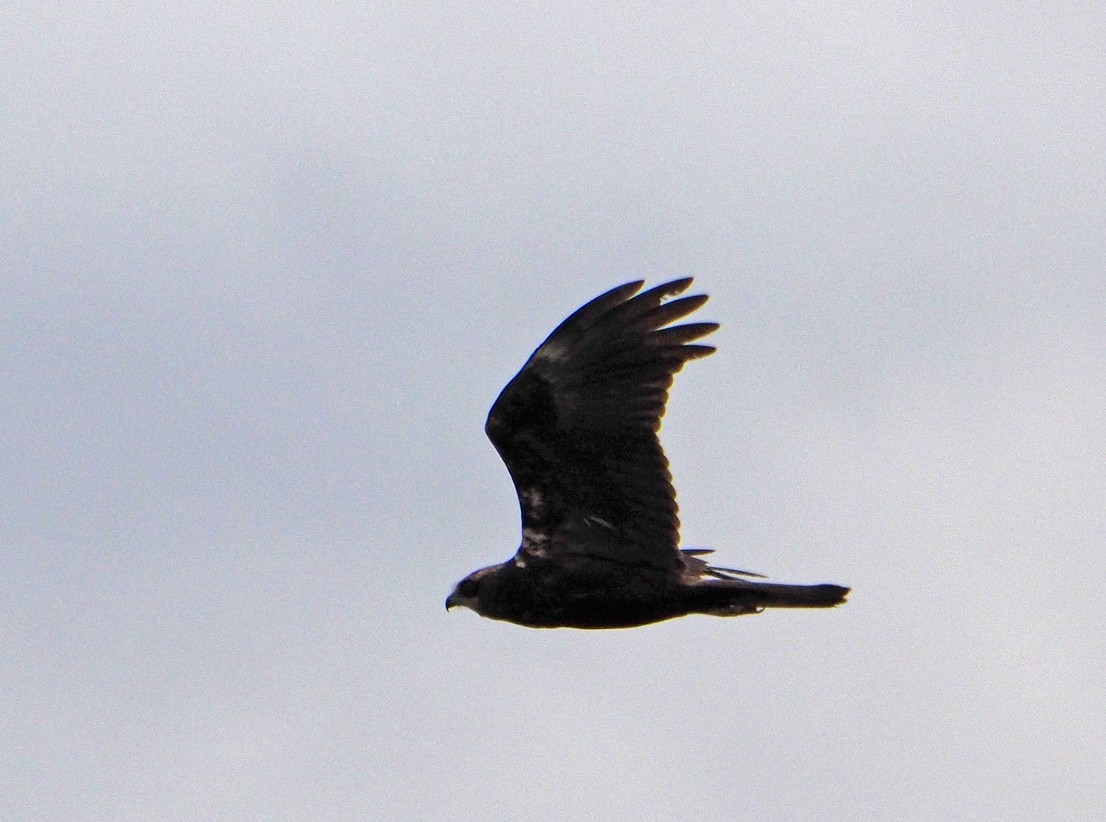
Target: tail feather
{"x": 775, "y": 595}
{"x": 732, "y": 597}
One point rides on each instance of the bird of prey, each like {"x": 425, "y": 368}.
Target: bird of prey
{"x": 577, "y": 429}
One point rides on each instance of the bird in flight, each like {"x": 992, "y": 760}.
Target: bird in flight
{"x": 577, "y": 429}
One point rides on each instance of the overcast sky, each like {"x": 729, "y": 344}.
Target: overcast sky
{"x": 266, "y": 266}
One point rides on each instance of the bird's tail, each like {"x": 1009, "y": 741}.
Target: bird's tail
{"x": 732, "y": 597}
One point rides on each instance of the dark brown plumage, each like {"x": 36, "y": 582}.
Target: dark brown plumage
{"x": 577, "y": 429}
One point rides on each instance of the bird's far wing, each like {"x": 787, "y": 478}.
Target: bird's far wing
{"x": 577, "y": 427}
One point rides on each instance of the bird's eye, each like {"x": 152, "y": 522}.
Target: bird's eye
{"x": 467, "y": 588}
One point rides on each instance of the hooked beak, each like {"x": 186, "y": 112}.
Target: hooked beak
{"x": 449, "y": 603}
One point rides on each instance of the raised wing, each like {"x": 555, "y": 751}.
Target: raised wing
{"x": 577, "y": 427}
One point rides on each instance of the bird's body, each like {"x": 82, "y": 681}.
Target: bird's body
{"x": 577, "y": 429}
{"x": 590, "y": 593}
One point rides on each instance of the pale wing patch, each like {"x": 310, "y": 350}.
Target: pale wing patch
{"x": 593, "y": 520}
{"x": 551, "y": 352}
{"x": 535, "y": 542}
{"x": 531, "y": 498}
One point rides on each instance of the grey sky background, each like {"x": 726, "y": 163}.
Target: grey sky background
{"x": 266, "y": 266}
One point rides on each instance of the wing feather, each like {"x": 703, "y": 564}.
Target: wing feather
{"x": 577, "y": 426}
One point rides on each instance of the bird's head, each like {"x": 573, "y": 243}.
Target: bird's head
{"x": 467, "y": 592}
